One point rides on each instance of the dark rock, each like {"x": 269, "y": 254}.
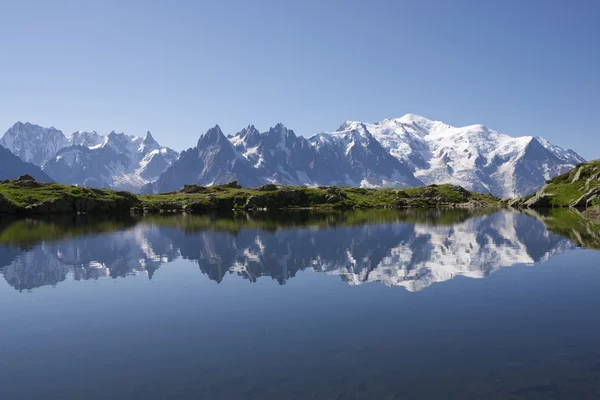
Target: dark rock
{"x": 55, "y": 206}
{"x": 257, "y": 201}
{"x": 291, "y": 194}
{"x": 28, "y": 183}
{"x": 6, "y": 207}
{"x": 26, "y": 177}
{"x": 587, "y": 198}
{"x": 193, "y": 189}
{"x": 268, "y": 187}
{"x": 336, "y": 191}
{"x": 540, "y": 200}
{"x": 233, "y": 185}
{"x": 402, "y": 194}
{"x": 333, "y": 198}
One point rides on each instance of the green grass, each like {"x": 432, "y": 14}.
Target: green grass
{"x": 566, "y": 189}
{"x": 26, "y": 196}
{"x": 227, "y": 198}
{"x": 563, "y": 194}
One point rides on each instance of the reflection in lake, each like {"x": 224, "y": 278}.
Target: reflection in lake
{"x": 131, "y": 308}
{"x": 410, "y": 249}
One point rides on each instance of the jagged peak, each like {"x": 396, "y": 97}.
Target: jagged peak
{"x": 149, "y": 138}
{"x": 279, "y": 128}
{"x": 249, "y": 130}
{"x": 215, "y": 130}
{"x": 214, "y": 134}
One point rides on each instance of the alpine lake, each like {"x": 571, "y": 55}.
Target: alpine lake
{"x": 414, "y": 304}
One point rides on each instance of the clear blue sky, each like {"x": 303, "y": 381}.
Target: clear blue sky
{"x": 176, "y": 68}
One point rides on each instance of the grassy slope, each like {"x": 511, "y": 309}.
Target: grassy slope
{"x": 26, "y": 196}
{"x": 564, "y": 190}
{"x": 227, "y": 198}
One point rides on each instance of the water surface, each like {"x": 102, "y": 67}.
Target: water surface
{"x": 390, "y": 305}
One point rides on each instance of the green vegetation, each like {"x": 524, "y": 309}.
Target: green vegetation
{"x": 27, "y": 196}
{"x": 229, "y": 197}
{"x": 24, "y": 196}
{"x": 578, "y": 188}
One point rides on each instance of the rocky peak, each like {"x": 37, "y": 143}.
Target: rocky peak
{"x": 149, "y": 139}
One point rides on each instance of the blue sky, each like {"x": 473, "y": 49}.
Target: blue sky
{"x": 177, "y": 68}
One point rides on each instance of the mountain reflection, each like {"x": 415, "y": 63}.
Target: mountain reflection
{"x": 410, "y": 249}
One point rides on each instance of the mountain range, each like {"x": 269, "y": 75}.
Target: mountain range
{"x": 115, "y": 160}
{"x": 402, "y": 152}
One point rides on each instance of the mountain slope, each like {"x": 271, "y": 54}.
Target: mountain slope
{"x": 213, "y": 161}
{"x": 115, "y": 161}
{"x": 33, "y": 143}
{"x": 11, "y": 167}
{"x": 351, "y": 157}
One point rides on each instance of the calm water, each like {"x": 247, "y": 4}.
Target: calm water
{"x": 379, "y": 305}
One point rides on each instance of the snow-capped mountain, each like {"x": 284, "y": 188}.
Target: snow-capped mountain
{"x": 116, "y": 160}
{"x": 394, "y": 253}
{"x": 407, "y": 151}
{"x": 474, "y": 156}
{"x": 361, "y": 159}
{"x": 33, "y": 143}
{"x": 11, "y": 167}
{"x": 83, "y": 138}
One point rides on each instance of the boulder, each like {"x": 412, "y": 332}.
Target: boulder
{"x": 6, "y": 207}
{"x": 291, "y": 194}
{"x": 333, "y": 198}
{"x": 233, "y": 185}
{"x": 268, "y": 187}
{"x": 336, "y": 191}
{"x": 540, "y": 200}
{"x": 256, "y": 201}
{"x": 585, "y": 200}
{"x": 26, "y": 177}
{"x": 193, "y": 189}
{"x": 27, "y": 183}
{"x": 55, "y": 206}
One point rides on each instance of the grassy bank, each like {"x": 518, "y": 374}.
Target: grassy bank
{"x": 579, "y": 188}
{"x": 26, "y": 196}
